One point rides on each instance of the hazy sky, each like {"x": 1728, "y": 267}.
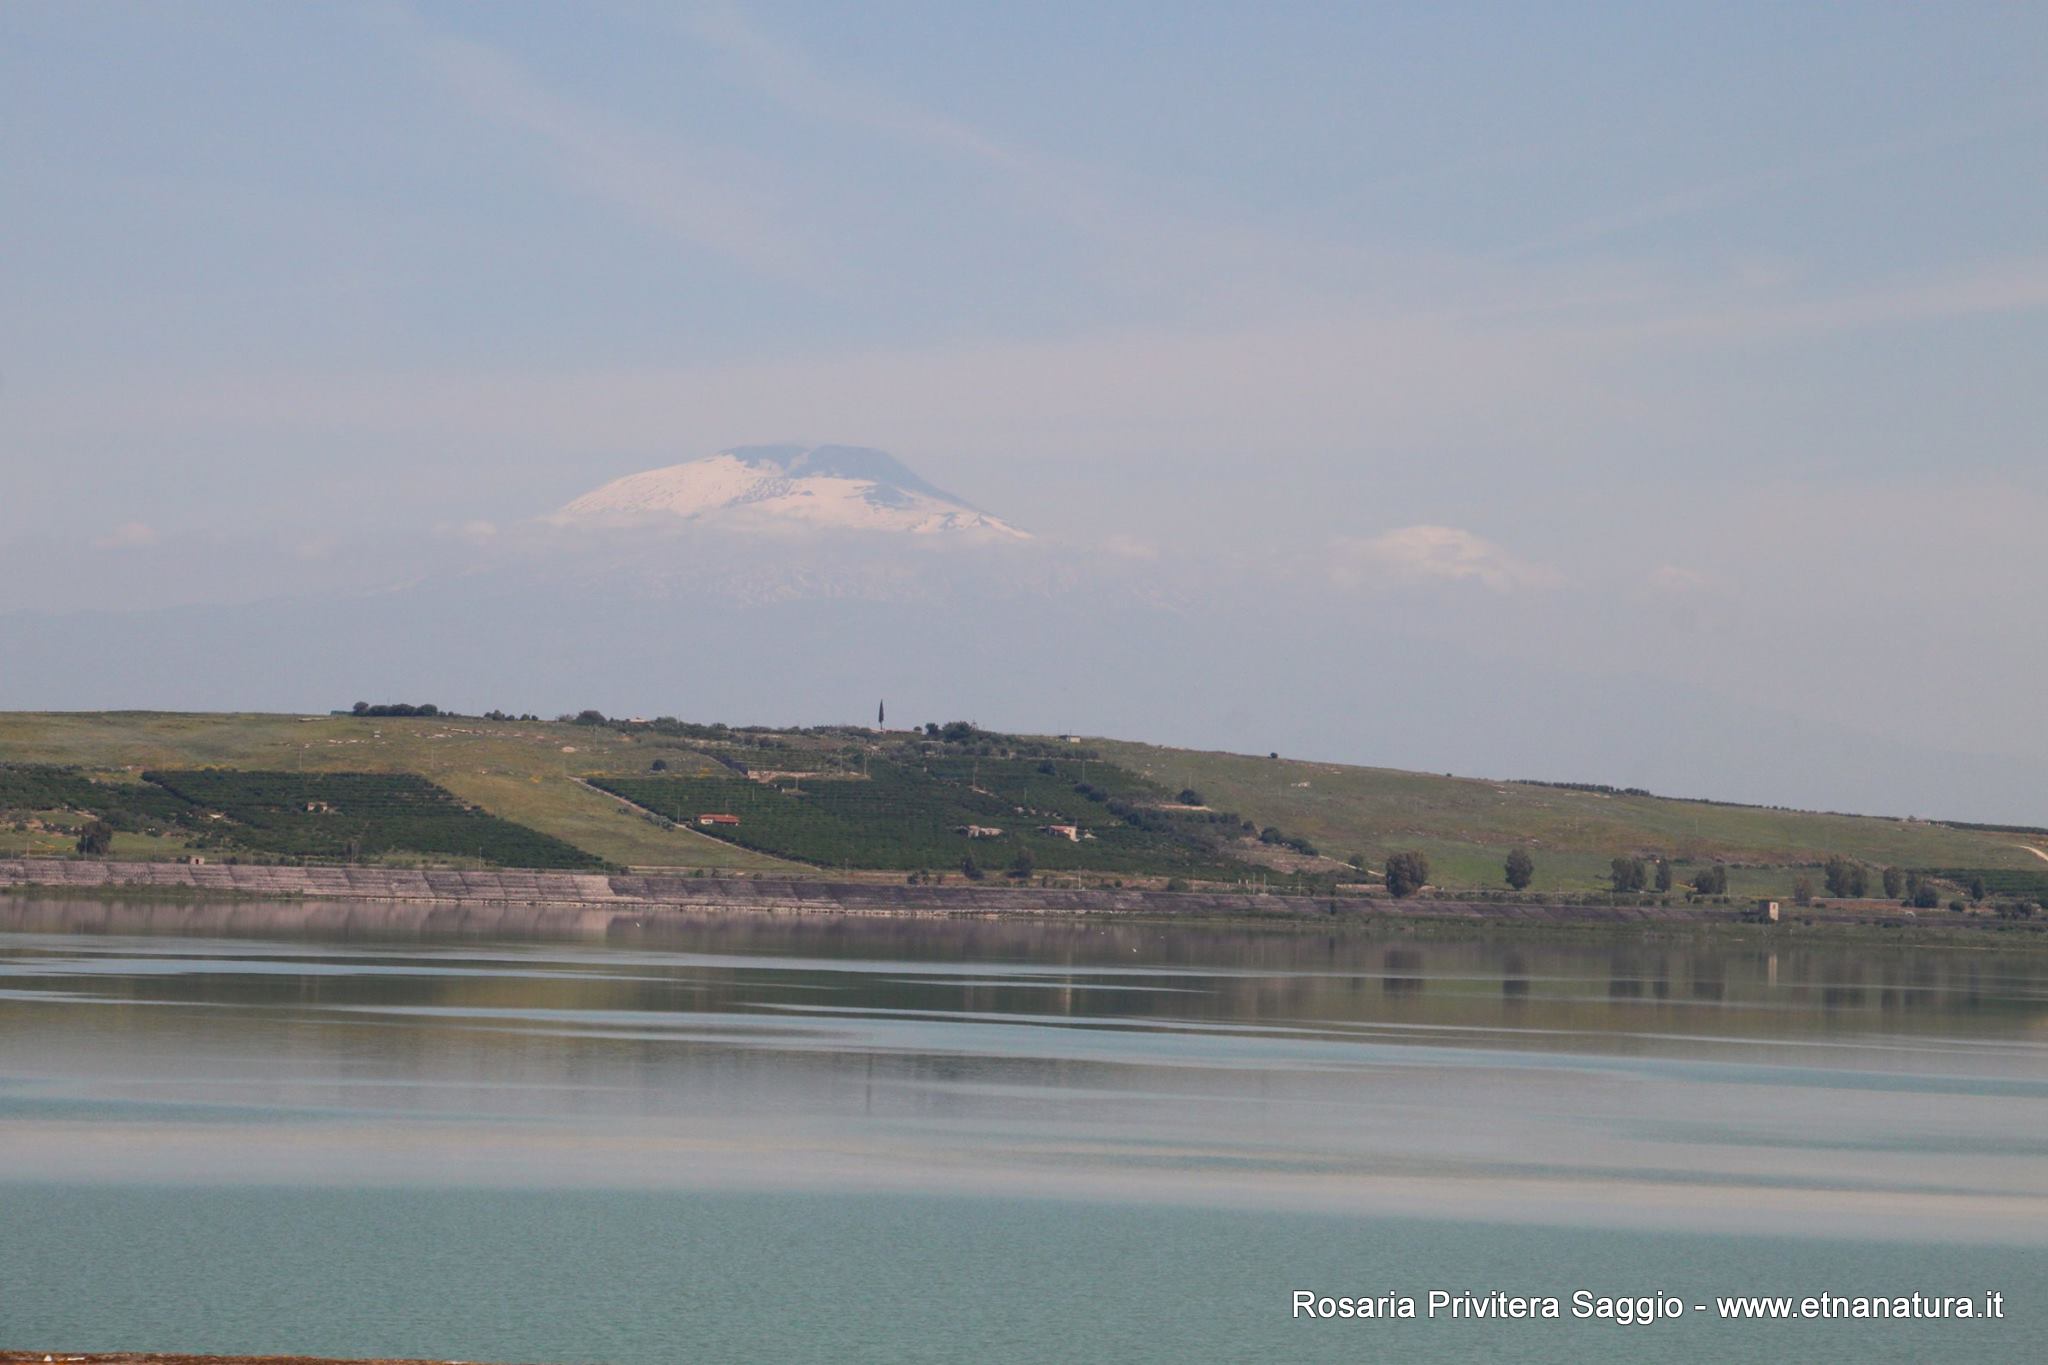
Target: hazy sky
{"x": 1698, "y": 344}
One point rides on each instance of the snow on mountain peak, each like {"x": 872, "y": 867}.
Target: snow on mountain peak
{"x": 829, "y": 486}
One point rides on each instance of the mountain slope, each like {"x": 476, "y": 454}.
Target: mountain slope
{"x": 838, "y": 487}
{"x": 542, "y": 774}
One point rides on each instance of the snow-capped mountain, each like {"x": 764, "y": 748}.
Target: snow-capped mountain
{"x": 840, "y": 487}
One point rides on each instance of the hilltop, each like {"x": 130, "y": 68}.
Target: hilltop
{"x": 427, "y": 790}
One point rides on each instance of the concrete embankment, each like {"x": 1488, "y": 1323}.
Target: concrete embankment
{"x": 584, "y": 901}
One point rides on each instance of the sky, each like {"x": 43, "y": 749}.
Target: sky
{"x": 1693, "y": 352}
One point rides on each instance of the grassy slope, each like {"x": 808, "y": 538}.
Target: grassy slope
{"x": 518, "y": 771}
{"x": 1467, "y": 825}
{"x": 521, "y": 772}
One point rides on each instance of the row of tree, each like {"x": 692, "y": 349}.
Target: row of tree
{"x": 394, "y": 708}
{"x": 1627, "y": 875}
{"x": 1638, "y": 874}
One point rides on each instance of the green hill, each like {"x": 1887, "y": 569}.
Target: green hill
{"x": 1466, "y": 825}
{"x": 629, "y": 794}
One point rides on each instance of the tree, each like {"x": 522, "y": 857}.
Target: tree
{"x": 1925, "y": 897}
{"x": 1521, "y": 869}
{"x": 970, "y": 869}
{"x": 96, "y": 840}
{"x": 1711, "y": 881}
{"x": 1407, "y": 873}
{"x": 1023, "y": 865}
{"x": 1628, "y": 874}
{"x": 1663, "y": 875}
{"x": 660, "y": 765}
{"x": 1894, "y": 883}
{"x": 1190, "y": 797}
{"x": 881, "y": 715}
{"x": 1978, "y": 890}
{"x": 588, "y": 717}
{"x": 1802, "y": 890}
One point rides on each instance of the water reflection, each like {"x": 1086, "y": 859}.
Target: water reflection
{"x": 1682, "y": 1080}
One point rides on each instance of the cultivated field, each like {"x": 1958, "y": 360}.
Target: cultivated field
{"x": 527, "y": 773}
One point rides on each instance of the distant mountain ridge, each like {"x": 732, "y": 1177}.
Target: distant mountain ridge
{"x": 822, "y": 486}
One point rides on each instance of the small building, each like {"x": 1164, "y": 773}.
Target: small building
{"x": 1071, "y": 833}
{"x": 1767, "y": 911}
{"x": 978, "y": 831}
{"x": 718, "y": 819}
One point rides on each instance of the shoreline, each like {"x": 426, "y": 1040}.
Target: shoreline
{"x": 583, "y": 903}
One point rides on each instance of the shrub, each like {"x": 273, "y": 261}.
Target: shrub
{"x": 1407, "y": 873}
{"x": 1520, "y": 868}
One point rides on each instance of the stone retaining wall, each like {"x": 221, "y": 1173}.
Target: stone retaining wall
{"x": 632, "y": 893}
{"x": 621, "y": 891}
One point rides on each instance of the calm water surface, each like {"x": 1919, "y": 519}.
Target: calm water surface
{"x": 879, "y": 1140}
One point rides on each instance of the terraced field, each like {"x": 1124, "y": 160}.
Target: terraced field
{"x": 937, "y": 815}
{"x": 351, "y": 816}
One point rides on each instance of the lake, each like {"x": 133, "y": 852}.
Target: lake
{"x": 748, "y": 1137}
